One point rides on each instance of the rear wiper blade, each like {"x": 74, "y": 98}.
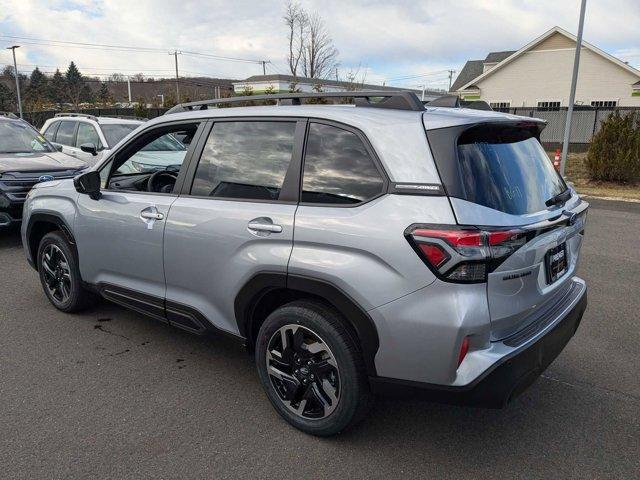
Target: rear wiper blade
{"x": 559, "y": 198}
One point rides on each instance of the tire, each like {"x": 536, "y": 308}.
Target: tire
{"x": 333, "y": 386}
{"x": 59, "y": 274}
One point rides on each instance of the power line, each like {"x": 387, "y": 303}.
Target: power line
{"x": 103, "y": 46}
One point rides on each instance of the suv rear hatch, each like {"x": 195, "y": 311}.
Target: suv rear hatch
{"x": 501, "y": 183}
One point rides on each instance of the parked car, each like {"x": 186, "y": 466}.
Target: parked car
{"x": 87, "y": 137}
{"x": 26, "y": 158}
{"x": 381, "y": 247}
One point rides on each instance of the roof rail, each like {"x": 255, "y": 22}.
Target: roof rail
{"x": 8, "y": 114}
{"x": 126, "y": 117}
{"x": 82, "y": 115}
{"x": 400, "y": 100}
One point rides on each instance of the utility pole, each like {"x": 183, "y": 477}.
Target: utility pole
{"x": 451, "y": 72}
{"x": 175, "y": 56}
{"x": 572, "y": 94}
{"x": 129, "y": 88}
{"x": 15, "y": 71}
{"x": 423, "y": 88}
{"x": 264, "y": 67}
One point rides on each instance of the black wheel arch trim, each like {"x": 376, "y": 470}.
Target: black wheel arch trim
{"x": 261, "y": 284}
{"x": 51, "y": 219}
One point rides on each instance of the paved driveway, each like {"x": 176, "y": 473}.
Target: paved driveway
{"x": 112, "y": 394}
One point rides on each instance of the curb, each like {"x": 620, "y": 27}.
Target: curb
{"x": 612, "y": 199}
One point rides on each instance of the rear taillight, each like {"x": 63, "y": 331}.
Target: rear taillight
{"x": 463, "y": 254}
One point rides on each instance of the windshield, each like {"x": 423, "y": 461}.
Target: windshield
{"x": 18, "y": 137}
{"x": 114, "y": 132}
{"x": 507, "y": 171}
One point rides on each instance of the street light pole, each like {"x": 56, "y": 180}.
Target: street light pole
{"x": 129, "y": 88}
{"x": 572, "y": 95}
{"x": 15, "y": 71}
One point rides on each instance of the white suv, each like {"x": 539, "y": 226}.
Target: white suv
{"x": 87, "y": 137}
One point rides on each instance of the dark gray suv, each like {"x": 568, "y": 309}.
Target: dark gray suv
{"x": 378, "y": 247}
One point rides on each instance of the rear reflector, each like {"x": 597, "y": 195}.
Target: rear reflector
{"x": 463, "y": 254}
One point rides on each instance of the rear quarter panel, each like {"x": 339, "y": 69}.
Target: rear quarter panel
{"x": 362, "y": 250}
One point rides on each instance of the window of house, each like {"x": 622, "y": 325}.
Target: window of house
{"x": 500, "y": 105}
{"x": 604, "y": 103}
{"x": 546, "y": 105}
{"x": 338, "y": 168}
{"x": 66, "y": 133}
{"x": 245, "y": 160}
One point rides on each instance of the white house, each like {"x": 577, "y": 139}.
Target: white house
{"x": 539, "y": 75}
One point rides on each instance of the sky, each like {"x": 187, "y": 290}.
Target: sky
{"x": 384, "y": 40}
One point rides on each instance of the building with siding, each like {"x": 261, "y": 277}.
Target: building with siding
{"x": 539, "y": 75}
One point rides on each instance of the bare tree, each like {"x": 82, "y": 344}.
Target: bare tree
{"x": 311, "y": 49}
{"x": 296, "y": 20}
{"x": 319, "y": 56}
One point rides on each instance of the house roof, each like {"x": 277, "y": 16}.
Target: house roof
{"x": 495, "y": 57}
{"x": 471, "y": 70}
{"x": 474, "y": 68}
{"x": 515, "y": 55}
{"x": 321, "y": 81}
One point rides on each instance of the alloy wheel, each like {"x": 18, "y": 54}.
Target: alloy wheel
{"x": 303, "y": 371}
{"x": 57, "y": 273}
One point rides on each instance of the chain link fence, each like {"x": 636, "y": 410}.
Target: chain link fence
{"x": 584, "y": 124}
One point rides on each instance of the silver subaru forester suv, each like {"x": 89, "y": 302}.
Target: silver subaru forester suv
{"x": 381, "y": 246}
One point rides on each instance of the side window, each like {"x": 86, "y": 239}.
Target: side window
{"x": 337, "y": 168}
{"x": 65, "y": 133}
{"x": 151, "y": 162}
{"x": 245, "y": 160}
{"x": 50, "y": 132}
{"x": 87, "y": 134}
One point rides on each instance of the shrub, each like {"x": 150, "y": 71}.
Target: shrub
{"x": 614, "y": 153}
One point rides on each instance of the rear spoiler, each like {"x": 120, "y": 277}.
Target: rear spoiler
{"x": 453, "y": 101}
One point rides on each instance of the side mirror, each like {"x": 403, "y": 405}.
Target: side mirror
{"x": 88, "y": 183}
{"x": 89, "y": 148}
{"x": 58, "y": 147}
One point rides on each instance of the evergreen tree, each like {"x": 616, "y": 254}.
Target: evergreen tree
{"x": 7, "y": 98}
{"x": 104, "y": 96}
{"x": 36, "y": 92}
{"x": 75, "y": 85}
{"x": 57, "y": 88}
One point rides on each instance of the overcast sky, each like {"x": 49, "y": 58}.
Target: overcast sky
{"x": 387, "y": 39}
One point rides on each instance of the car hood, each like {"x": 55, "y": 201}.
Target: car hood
{"x": 38, "y": 162}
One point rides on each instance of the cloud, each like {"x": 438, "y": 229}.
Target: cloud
{"x": 386, "y": 39}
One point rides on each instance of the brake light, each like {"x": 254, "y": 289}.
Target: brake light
{"x": 464, "y": 349}
{"x": 464, "y": 254}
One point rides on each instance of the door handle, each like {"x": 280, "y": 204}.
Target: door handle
{"x": 149, "y": 215}
{"x": 263, "y": 226}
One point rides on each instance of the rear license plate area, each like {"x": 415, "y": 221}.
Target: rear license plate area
{"x": 556, "y": 262}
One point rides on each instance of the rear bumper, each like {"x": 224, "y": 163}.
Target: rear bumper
{"x": 507, "y": 377}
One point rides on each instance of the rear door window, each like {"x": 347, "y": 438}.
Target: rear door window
{"x": 507, "y": 169}
{"x": 245, "y": 160}
{"x": 66, "y": 133}
{"x": 338, "y": 169}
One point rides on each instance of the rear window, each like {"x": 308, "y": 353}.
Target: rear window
{"x": 507, "y": 169}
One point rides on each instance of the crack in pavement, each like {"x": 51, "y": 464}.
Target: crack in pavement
{"x": 583, "y": 385}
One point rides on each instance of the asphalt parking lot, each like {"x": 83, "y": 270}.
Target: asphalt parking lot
{"x": 113, "y": 394}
